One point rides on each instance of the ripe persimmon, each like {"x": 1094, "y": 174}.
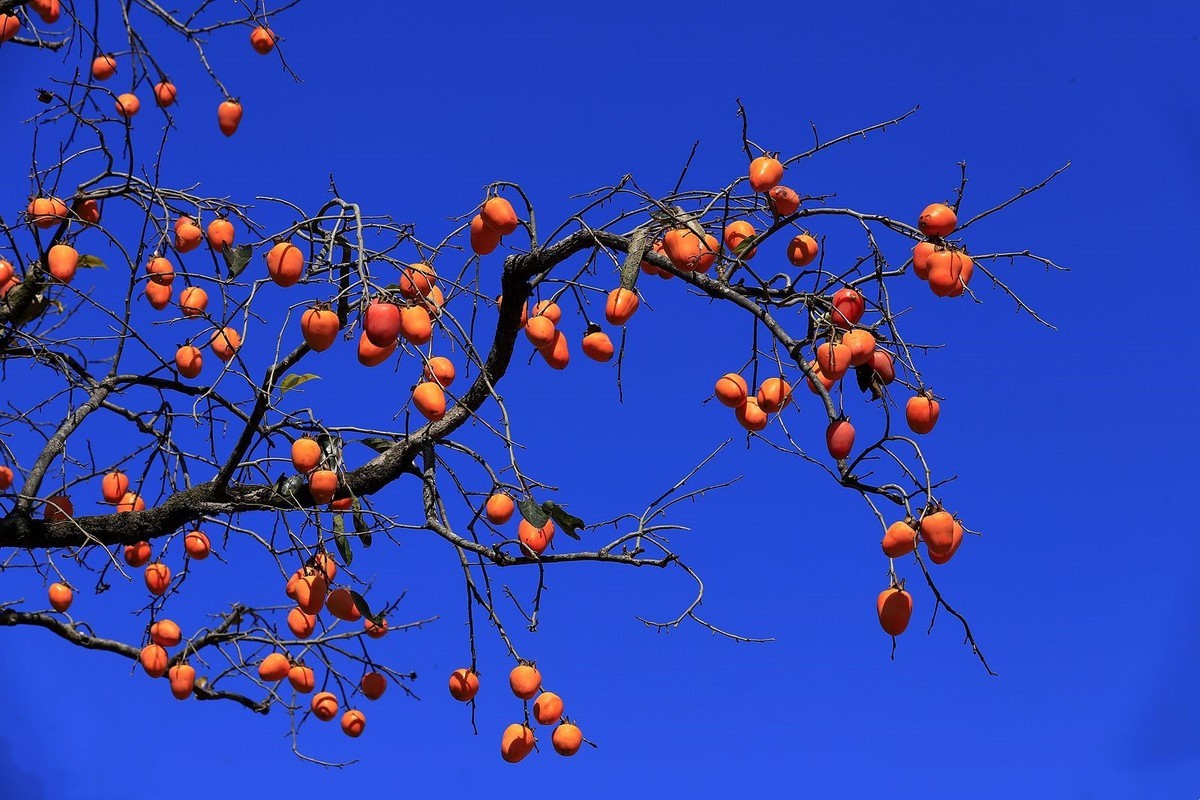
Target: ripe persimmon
{"x": 848, "y": 307}
{"x": 285, "y": 264}
{"x": 132, "y": 501}
{"x": 324, "y": 706}
{"x": 6, "y": 478}
{"x": 802, "y": 250}
{"x": 197, "y": 545}
{"x": 839, "y": 438}
{"x": 375, "y": 631}
{"x": 189, "y": 360}
{"x": 157, "y": 577}
{"x": 942, "y": 556}
{"x": 310, "y": 593}
{"x": 464, "y": 684}
{"x": 87, "y": 209}
{"x": 47, "y": 10}
{"x": 300, "y": 624}
{"x": 622, "y": 304}
{"x": 516, "y": 742}
{"x": 302, "y": 678}
{"x": 429, "y": 400}
{"x": 127, "y": 105}
{"x": 371, "y": 356}
{"x": 735, "y": 234}
{"x": 60, "y": 596}
{"x": 58, "y": 507}
{"x": 183, "y": 680}
{"x": 731, "y": 390}
{"x": 547, "y": 708}
{"x": 567, "y": 739}
{"x": 862, "y": 345}
{"x": 548, "y": 309}
{"x": 938, "y": 219}
{"x": 188, "y": 236}
{"x": 540, "y": 332}
{"x": 61, "y": 261}
{"x": 783, "y": 201}
{"x": 922, "y": 412}
{"x": 104, "y": 66}
{"x": 159, "y": 295}
{"x": 484, "y": 239}
{"x": 833, "y": 359}
{"x": 225, "y": 343}
{"x": 920, "y": 255}
{"x": 262, "y": 39}
{"x": 899, "y": 539}
{"x": 324, "y": 564}
{"x": 685, "y": 249}
{"x": 536, "y": 539}
{"x": 274, "y": 667}
{"x": 558, "y": 353}
{"x": 46, "y": 212}
{"x": 229, "y": 116}
{"x": 765, "y": 173}
{"x": 353, "y": 723}
{"x": 945, "y": 271}
{"x": 373, "y": 685}
{"x": 499, "y": 508}
{"x": 166, "y": 633}
{"x": 894, "y": 607}
{"x": 937, "y": 530}
{"x": 160, "y": 270}
{"x": 165, "y": 93}
{"x": 114, "y": 485}
{"x": 598, "y": 347}
{"x": 219, "y": 234}
{"x": 883, "y": 365}
{"x": 828, "y": 383}
{"x": 417, "y": 280}
{"x": 193, "y": 301}
{"x": 751, "y": 416}
{"x": 499, "y": 215}
{"x": 773, "y": 395}
{"x": 439, "y": 370}
{"x": 964, "y": 276}
{"x": 6, "y": 271}
{"x": 136, "y": 555}
{"x": 154, "y": 660}
{"x": 320, "y": 326}
{"x": 416, "y": 325}
{"x": 341, "y": 604}
{"x": 381, "y": 322}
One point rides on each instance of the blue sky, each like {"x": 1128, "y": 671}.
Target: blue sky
{"x": 1070, "y": 444}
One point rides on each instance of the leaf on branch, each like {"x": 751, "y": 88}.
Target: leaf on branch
{"x": 868, "y": 381}
{"x": 532, "y": 512}
{"x": 331, "y": 451}
{"x": 237, "y": 258}
{"x": 339, "y": 537}
{"x": 377, "y": 443}
{"x": 288, "y": 485}
{"x": 293, "y": 380}
{"x": 566, "y": 521}
{"x": 92, "y": 262}
{"x": 360, "y": 603}
{"x": 360, "y": 522}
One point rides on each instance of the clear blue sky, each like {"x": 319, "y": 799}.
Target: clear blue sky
{"x": 1070, "y": 445}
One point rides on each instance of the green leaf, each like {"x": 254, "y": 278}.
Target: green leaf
{"x": 532, "y": 512}
{"x": 742, "y": 247}
{"x": 377, "y": 443}
{"x": 237, "y": 258}
{"x": 360, "y": 522}
{"x": 360, "y": 603}
{"x": 331, "y": 451}
{"x": 92, "y": 262}
{"x": 288, "y": 485}
{"x": 340, "y": 538}
{"x": 293, "y": 380}
{"x": 566, "y": 521}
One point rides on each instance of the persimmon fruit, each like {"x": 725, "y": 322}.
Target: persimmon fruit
{"x": 899, "y": 539}
{"x": 567, "y": 739}
{"x": 731, "y": 390}
{"x": 197, "y": 545}
{"x": 373, "y": 685}
{"x": 166, "y": 633}
{"x": 229, "y": 116}
{"x": 622, "y": 304}
{"x": 429, "y": 400}
{"x": 262, "y": 39}
{"x": 324, "y": 706}
{"x": 320, "y": 326}
{"x": 274, "y": 668}
{"x": 301, "y": 624}
{"x": 153, "y": 659}
{"x": 285, "y": 264}
{"x": 536, "y": 539}
{"x": 525, "y": 681}
{"x": 921, "y": 413}
{"x": 499, "y": 215}
{"x": 938, "y": 219}
{"x": 516, "y": 742}
{"x": 894, "y": 607}
{"x": 157, "y": 578}
{"x": 499, "y": 508}
{"x": 464, "y": 685}
{"x": 839, "y": 438}
{"x": 765, "y": 173}
{"x": 547, "y": 708}
{"x": 60, "y": 596}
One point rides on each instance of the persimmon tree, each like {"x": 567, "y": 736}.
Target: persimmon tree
{"x": 215, "y": 311}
